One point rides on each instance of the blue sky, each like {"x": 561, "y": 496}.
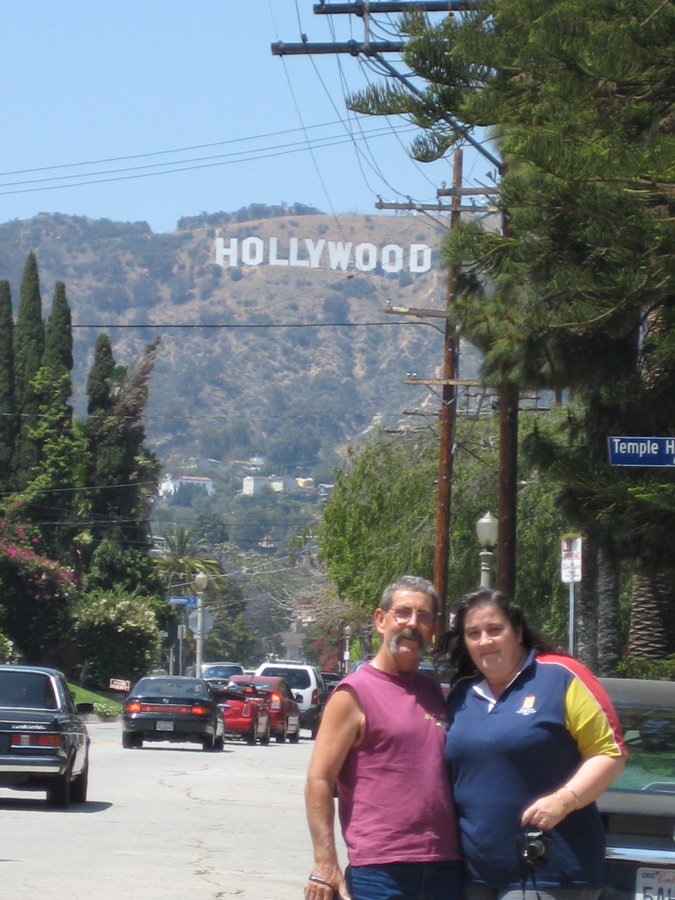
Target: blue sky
{"x": 150, "y": 111}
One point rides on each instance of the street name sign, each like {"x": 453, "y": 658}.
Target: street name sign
{"x": 188, "y": 602}
{"x": 641, "y": 451}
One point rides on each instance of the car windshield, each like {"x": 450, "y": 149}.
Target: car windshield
{"x": 296, "y": 678}
{"x": 26, "y": 690}
{"x": 221, "y": 671}
{"x": 650, "y": 740}
{"x": 170, "y": 687}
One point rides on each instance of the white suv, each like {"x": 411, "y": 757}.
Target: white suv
{"x": 306, "y": 684}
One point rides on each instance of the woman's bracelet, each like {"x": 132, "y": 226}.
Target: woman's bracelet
{"x": 574, "y": 794}
{"x": 317, "y": 880}
{"x": 556, "y": 794}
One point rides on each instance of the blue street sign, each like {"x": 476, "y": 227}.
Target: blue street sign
{"x": 188, "y": 602}
{"x": 641, "y": 451}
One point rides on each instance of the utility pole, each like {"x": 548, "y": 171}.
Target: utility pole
{"x": 448, "y": 418}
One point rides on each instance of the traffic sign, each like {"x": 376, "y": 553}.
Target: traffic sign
{"x": 187, "y": 602}
{"x": 641, "y": 451}
{"x": 570, "y": 561}
{"x": 207, "y": 621}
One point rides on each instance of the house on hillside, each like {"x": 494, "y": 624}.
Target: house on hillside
{"x": 252, "y": 485}
{"x": 169, "y": 485}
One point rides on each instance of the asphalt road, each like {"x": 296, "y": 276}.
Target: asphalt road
{"x": 169, "y": 822}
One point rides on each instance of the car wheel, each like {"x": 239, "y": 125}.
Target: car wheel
{"x": 281, "y": 738}
{"x": 58, "y": 790}
{"x": 265, "y": 739}
{"x": 295, "y": 737}
{"x": 251, "y": 737}
{"x": 219, "y": 743}
{"x": 208, "y": 743}
{"x": 78, "y": 789}
{"x": 314, "y": 731}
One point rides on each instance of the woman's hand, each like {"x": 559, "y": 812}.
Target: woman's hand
{"x": 545, "y": 813}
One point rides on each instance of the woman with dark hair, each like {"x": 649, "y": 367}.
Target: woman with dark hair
{"x": 533, "y": 740}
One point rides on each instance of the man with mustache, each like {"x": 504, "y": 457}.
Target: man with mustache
{"x": 381, "y": 741}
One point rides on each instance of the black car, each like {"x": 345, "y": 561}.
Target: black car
{"x": 43, "y": 739}
{"x": 172, "y": 708}
{"x": 639, "y": 808}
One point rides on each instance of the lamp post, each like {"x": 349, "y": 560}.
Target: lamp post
{"x": 347, "y": 634}
{"x": 201, "y": 582}
{"x": 486, "y": 530}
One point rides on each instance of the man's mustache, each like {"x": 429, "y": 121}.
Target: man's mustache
{"x": 408, "y": 634}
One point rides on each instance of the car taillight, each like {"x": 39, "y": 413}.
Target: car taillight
{"x": 315, "y": 697}
{"x": 133, "y": 706}
{"x": 276, "y": 701}
{"x": 200, "y": 711}
{"x": 246, "y": 709}
{"x": 35, "y": 740}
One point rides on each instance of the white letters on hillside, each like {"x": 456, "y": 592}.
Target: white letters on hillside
{"x": 320, "y": 254}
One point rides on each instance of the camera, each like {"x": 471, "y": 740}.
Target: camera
{"x": 536, "y": 846}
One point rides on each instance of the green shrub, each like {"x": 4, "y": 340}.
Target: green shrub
{"x": 654, "y": 670}
{"x": 118, "y": 636}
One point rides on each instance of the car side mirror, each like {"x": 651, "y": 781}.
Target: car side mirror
{"x": 85, "y": 709}
{"x": 298, "y": 698}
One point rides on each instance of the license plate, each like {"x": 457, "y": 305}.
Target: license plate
{"x": 168, "y": 726}
{"x": 655, "y": 884}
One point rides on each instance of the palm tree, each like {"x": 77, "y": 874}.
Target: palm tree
{"x": 185, "y": 555}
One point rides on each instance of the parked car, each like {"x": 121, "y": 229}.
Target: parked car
{"x": 307, "y": 686}
{"x": 172, "y": 708}
{"x": 330, "y": 679}
{"x": 284, "y": 709}
{"x": 245, "y": 711}
{"x": 43, "y": 739}
{"x": 639, "y": 808}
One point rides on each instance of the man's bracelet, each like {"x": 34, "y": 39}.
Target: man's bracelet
{"x": 317, "y": 880}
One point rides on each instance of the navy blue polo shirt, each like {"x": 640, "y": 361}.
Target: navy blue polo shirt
{"x": 552, "y": 715}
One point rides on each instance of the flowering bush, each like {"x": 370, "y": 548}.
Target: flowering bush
{"x": 36, "y": 598}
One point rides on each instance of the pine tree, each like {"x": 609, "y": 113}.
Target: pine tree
{"x": 8, "y": 422}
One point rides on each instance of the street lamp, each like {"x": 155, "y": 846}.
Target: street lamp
{"x": 347, "y": 634}
{"x": 486, "y": 529}
{"x": 201, "y": 582}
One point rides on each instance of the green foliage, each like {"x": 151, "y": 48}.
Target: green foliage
{"x": 58, "y": 355}
{"x": 103, "y": 706}
{"x": 8, "y": 421}
{"x": 36, "y": 599}
{"x": 117, "y": 633}
{"x": 379, "y": 522}
{"x": 657, "y": 669}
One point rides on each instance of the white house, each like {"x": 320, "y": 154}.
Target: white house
{"x": 169, "y": 485}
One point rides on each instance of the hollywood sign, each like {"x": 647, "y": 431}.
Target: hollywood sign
{"x": 305, "y": 252}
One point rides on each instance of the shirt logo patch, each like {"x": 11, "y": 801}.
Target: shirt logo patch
{"x": 527, "y": 709}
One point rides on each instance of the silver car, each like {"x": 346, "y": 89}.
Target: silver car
{"x": 639, "y": 808}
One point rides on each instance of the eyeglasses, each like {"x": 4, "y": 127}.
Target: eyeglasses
{"x": 404, "y": 614}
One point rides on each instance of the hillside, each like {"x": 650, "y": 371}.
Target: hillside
{"x": 282, "y": 349}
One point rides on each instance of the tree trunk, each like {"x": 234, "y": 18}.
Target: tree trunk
{"x": 586, "y": 648}
{"x": 652, "y": 621}
{"x": 609, "y": 616}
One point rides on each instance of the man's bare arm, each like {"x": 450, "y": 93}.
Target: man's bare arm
{"x": 341, "y": 729}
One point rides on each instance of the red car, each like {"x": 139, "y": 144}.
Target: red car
{"x": 284, "y": 710}
{"x": 245, "y": 711}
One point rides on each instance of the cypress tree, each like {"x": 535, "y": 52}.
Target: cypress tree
{"x": 29, "y": 345}
{"x": 8, "y": 423}
{"x": 58, "y": 355}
